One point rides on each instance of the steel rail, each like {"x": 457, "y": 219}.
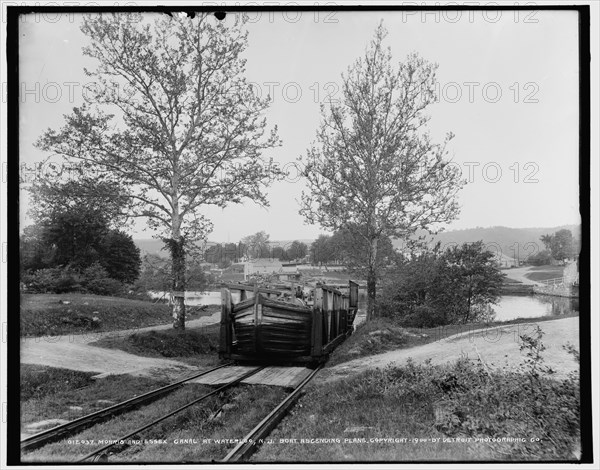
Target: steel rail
{"x": 67, "y": 429}
{"x": 178, "y": 410}
{"x": 247, "y": 446}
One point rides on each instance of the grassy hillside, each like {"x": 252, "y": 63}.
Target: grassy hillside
{"x": 57, "y": 314}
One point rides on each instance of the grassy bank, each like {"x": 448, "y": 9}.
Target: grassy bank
{"x": 197, "y": 434}
{"x": 58, "y": 314}
{"x": 542, "y": 273}
{"x": 197, "y": 346}
{"x": 457, "y": 411}
{"x": 49, "y": 393}
{"x": 383, "y": 334}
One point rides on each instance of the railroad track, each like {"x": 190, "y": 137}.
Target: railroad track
{"x": 70, "y": 428}
{"x": 242, "y": 451}
{"x": 99, "y": 454}
{"x": 251, "y": 441}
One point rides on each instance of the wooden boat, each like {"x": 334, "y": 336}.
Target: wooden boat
{"x": 263, "y": 326}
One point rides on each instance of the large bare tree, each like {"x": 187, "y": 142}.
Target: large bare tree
{"x": 373, "y": 169}
{"x": 173, "y": 120}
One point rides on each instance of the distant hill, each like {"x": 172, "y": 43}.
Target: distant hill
{"x": 156, "y": 247}
{"x": 503, "y": 240}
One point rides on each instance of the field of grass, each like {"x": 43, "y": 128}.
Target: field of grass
{"x": 430, "y": 413}
{"x": 196, "y": 346}
{"x": 195, "y": 435}
{"x": 58, "y": 314}
{"x": 51, "y": 393}
{"x": 542, "y": 273}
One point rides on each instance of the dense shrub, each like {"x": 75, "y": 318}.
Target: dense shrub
{"x": 542, "y": 258}
{"x": 97, "y": 281}
{"x": 104, "y": 286}
{"x": 435, "y": 287}
{"x": 52, "y": 280}
{"x": 465, "y": 399}
{"x": 172, "y": 343}
{"x": 423, "y": 316}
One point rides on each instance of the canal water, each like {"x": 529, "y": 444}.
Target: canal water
{"x": 509, "y": 307}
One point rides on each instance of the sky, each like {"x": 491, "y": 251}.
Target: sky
{"x": 507, "y": 85}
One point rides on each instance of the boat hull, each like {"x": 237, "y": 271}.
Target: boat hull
{"x": 271, "y": 328}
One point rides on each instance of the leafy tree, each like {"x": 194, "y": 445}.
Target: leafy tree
{"x": 547, "y": 241}
{"x": 34, "y": 252}
{"x": 278, "y": 252}
{"x": 410, "y": 289}
{"x": 469, "y": 278}
{"x": 352, "y": 250}
{"x": 187, "y": 132}
{"x": 71, "y": 238}
{"x": 432, "y": 287}
{"x": 374, "y": 169}
{"x": 321, "y": 250}
{"x": 78, "y": 191}
{"x": 297, "y": 250}
{"x": 257, "y": 245}
{"x": 75, "y": 226}
{"x": 120, "y": 256}
{"x": 562, "y": 244}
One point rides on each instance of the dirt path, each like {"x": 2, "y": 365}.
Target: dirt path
{"x": 497, "y": 347}
{"x": 74, "y": 352}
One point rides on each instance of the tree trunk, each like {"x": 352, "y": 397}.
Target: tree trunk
{"x": 372, "y": 280}
{"x": 178, "y": 306}
{"x": 371, "y": 293}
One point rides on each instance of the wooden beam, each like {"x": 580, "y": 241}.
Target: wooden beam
{"x": 254, "y": 288}
{"x": 317, "y": 326}
{"x": 225, "y": 333}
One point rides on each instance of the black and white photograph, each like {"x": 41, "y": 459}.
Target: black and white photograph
{"x": 300, "y": 233}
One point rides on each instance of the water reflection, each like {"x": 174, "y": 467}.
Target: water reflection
{"x": 517, "y": 306}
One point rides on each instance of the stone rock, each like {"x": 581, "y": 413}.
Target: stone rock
{"x": 45, "y": 424}
{"x": 105, "y": 402}
{"x": 355, "y": 429}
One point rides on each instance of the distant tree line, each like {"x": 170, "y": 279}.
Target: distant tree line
{"x": 345, "y": 247}
{"x": 156, "y": 275}
{"x": 252, "y": 247}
